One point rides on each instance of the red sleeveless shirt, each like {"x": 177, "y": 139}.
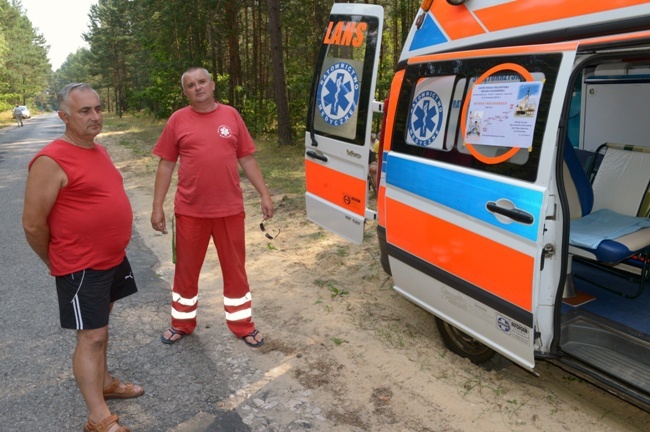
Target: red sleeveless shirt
{"x": 90, "y": 222}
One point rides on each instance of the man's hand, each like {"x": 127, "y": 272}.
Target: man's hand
{"x": 160, "y": 188}
{"x": 158, "y": 221}
{"x": 254, "y": 175}
{"x": 267, "y": 207}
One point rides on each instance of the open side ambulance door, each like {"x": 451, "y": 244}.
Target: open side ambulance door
{"x": 337, "y": 141}
{"x": 470, "y": 212}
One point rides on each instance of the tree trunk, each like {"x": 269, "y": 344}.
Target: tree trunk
{"x": 285, "y": 134}
{"x": 234, "y": 63}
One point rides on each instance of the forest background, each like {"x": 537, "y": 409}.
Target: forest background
{"x": 261, "y": 54}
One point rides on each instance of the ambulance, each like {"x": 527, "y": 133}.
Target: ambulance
{"x": 514, "y": 165}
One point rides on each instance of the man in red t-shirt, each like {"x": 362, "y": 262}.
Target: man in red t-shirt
{"x": 77, "y": 218}
{"x": 211, "y": 140}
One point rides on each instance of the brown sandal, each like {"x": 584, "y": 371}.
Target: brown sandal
{"x": 114, "y": 391}
{"x": 105, "y": 425}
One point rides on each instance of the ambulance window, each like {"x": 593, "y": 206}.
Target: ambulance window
{"x": 492, "y": 122}
{"x": 344, "y": 77}
{"x": 510, "y": 97}
{"x": 427, "y": 125}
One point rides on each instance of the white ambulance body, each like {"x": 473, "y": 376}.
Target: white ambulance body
{"x": 513, "y": 199}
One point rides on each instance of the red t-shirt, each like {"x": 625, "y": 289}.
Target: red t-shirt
{"x": 209, "y": 146}
{"x": 90, "y": 222}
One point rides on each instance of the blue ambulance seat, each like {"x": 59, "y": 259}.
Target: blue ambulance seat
{"x": 581, "y": 196}
{"x": 604, "y": 226}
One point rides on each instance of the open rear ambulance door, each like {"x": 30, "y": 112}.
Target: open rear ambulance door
{"x": 337, "y": 140}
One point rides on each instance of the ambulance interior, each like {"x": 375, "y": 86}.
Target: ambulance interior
{"x": 605, "y": 310}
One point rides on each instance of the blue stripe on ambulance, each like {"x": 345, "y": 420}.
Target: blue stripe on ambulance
{"x": 429, "y": 34}
{"x": 435, "y": 183}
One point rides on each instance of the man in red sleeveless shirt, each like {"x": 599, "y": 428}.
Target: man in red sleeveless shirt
{"x": 77, "y": 218}
{"x": 211, "y": 140}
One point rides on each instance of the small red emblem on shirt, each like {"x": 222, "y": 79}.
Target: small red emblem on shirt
{"x": 224, "y": 131}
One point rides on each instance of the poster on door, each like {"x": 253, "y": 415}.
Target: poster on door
{"x": 503, "y": 114}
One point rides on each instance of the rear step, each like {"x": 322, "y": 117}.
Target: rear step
{"x": 610, "y": 352}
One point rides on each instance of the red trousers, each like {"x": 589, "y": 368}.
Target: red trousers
{"x": 192, "y": 240}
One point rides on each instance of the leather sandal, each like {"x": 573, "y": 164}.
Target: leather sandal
{"x": 105, "y": 425}
{"x": 114, "y": 391}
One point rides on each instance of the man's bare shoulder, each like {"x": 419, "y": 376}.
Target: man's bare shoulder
{"x": 44, "y": 168}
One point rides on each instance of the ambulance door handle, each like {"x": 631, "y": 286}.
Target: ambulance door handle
{"x": 314, "y": 155}
{"x": 515, "y": 214}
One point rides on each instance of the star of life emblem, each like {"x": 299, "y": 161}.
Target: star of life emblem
{"x": 338, "y": 93}
{"x": 426, "y": 118}
{"x": 224, "y": 131}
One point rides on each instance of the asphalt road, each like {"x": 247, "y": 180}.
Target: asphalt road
{"x": 38, "y": 391}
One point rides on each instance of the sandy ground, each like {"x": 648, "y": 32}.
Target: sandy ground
{"x": 344, "y": 352}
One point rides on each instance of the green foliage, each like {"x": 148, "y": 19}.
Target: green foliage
{"x": 7, "y": 101}
{"x": 335, "y": 291}
{"x": 24, "y": 68}
{"x": 138, "y": 50}
{"x": 230, "y": 39}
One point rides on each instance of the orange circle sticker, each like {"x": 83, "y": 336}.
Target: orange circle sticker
{"x": 492, "y": 160}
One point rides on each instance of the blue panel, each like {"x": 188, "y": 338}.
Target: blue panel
{"x": 429, "y": 34}
{"x": 464, "y": 193}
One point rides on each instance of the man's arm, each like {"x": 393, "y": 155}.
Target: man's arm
{"x": 254, "y": 175}
{"x": 160, "y": 189}
{"x": 45, "y": 180}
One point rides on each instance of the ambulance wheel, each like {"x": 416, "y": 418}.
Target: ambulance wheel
{"x": 463, "y": 344}
{"x": 383, "y": 250}
{"x": 383, "y": 258}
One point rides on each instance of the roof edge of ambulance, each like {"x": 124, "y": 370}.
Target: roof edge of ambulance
{"x": 479, "y": 24}
{"x": 357, "y": 9}
{"x": 641, "y": 38}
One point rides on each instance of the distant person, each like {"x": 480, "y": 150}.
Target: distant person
{"x": 77, "y": 218}
{"x": 18, "y": 113}
{"x": 372, "y": 167}
{"x": 374, "y": 140}
{"x": 210, "y": 139}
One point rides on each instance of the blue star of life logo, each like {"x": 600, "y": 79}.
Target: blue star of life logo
{"x": 338, "y": 93}
{"x": 425, "y": 118}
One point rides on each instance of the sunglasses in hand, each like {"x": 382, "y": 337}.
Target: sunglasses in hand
{"x": 267, "y": 235}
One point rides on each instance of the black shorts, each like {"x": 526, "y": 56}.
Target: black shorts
{"x": 85, "y": 297}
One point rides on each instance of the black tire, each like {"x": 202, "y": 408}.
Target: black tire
{"x": 383, "y": 250}
{"x": 462, "y": 344}
{"x": 383, "y": 259}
